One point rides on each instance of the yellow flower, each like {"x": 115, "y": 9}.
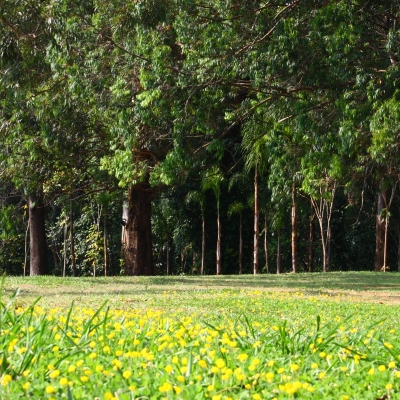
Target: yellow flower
{"x": 63, "y": 381}
{"x": 381, "y": 368}
{"x": 166, "y": 387}
{"x": 71, "y": 368}
{"x": 127, "y": 374}
{"x": 321, "y": 375}
{"x": 54, "y": 374}
{"x": 6, "y": 379}
{"x": 169, "y": 369}
{"x": 294, "y": 367}
{"x": 220, "y": 363}
{"x": 26, "y": 385}
{"x": 108, "y": 396}
{"x": 392, "y": 365}
{"x": 50, "y": 389}
{"x": 389, "y": 386}
{"x": 210, "y": 388}
{"x": 242, "y": 357}
{"x": 177, "y": 389}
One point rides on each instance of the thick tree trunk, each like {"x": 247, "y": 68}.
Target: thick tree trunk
{"x": 72, "y": 239}
{"x": 294, "y": 229}
{"x": 37, "y": 230}
{"x": 256, "y": 228}
{"x": 218, "y": 255}
{"x": 138, "y": 249}
{"x": 380, "y": 231}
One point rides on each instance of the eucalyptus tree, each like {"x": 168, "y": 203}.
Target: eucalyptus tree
{"x": 256, "y": 155}
{"x": 213, "y": 179}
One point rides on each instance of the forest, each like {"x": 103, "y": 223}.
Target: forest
{"x": 156, "y": 137}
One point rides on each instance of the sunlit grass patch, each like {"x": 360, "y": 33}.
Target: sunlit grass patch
{"x": 216, "y": 344}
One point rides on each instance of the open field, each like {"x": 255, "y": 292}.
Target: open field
{"x": 319, "y": 336}
{"x": 56, "y": 291}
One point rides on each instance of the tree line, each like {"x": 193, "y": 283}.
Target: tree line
{"x": 187, "y": 136}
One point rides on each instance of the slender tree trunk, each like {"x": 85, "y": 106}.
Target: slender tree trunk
{"x": 168, "y": 261}
{"x": 105, "y": 245}
{"x": 294, "y": 229}
{"x": 72, "y": 238}
{"x": 266, "y": 252}
{"x": 311, "y": 241}
{"x": 398, "y": 252}
{"x": 380, "y": 230}
{"x": 138, "y": 245}
{"x": 323, "y": 241}
{"x": 256, "y": 227}
{"x": 218, "y": 255}
{"x": 240, "y": 245}
{"x": 26, "y": 248}
{"x": 65, "y": 248}
{"x": 38, "y": 246}
{"x": 203, "y": 244}
{"x": 278, "y": 253}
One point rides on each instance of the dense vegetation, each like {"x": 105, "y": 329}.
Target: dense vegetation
{"x": 218, "y": 136}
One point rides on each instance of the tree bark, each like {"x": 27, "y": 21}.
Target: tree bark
{"x": 203, "y": 243}
{"x": 256, "y": 228}
{"x": 218, "y": 255}
{"x": 311, "y": 241}
{"x": 294, "y": 229}
{"x": 266, "y": 252}
{"x": 105, "y": 245}
{"x": 72, "y": 240}
{"x": 37, "y": 235}
{"x": 278, "y": 253}
{"x": 240, "y": 245}
{"x": 380, "y": 230}
{"x": 168, "y": 261}
{"x": 138, "y": 251}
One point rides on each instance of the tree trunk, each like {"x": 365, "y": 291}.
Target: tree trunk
{"x": 37, "y": 230}
{"x": 278, "y": 253}
{"x": 266, "y": 252}
{"x": 218, "y": 255}
{"x": 138, "y": 251}
{"x": 168, "y": 262}
{"x": 26, "y": 247}
{"x": 256, "y": 228}
{"x": 203, "y": 244}
{"x": 240, "y": 245}
{"x": 65, "y": 248}
{"x": 71, "y": 238}
{"x": 105, "y": 245}
{"x": 294, "y": 229}
{"x": 311, "y": 241}
{"x": 380, "y": 231}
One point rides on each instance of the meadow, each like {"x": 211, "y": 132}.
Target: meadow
{"x": 317, "y": 336}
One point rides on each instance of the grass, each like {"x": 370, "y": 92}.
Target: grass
{"x": 320, "y": 336}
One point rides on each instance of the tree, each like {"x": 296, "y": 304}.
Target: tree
{"x": 213, "y": 180}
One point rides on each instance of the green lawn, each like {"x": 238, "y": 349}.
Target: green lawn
{"x": 319, "y": 336}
